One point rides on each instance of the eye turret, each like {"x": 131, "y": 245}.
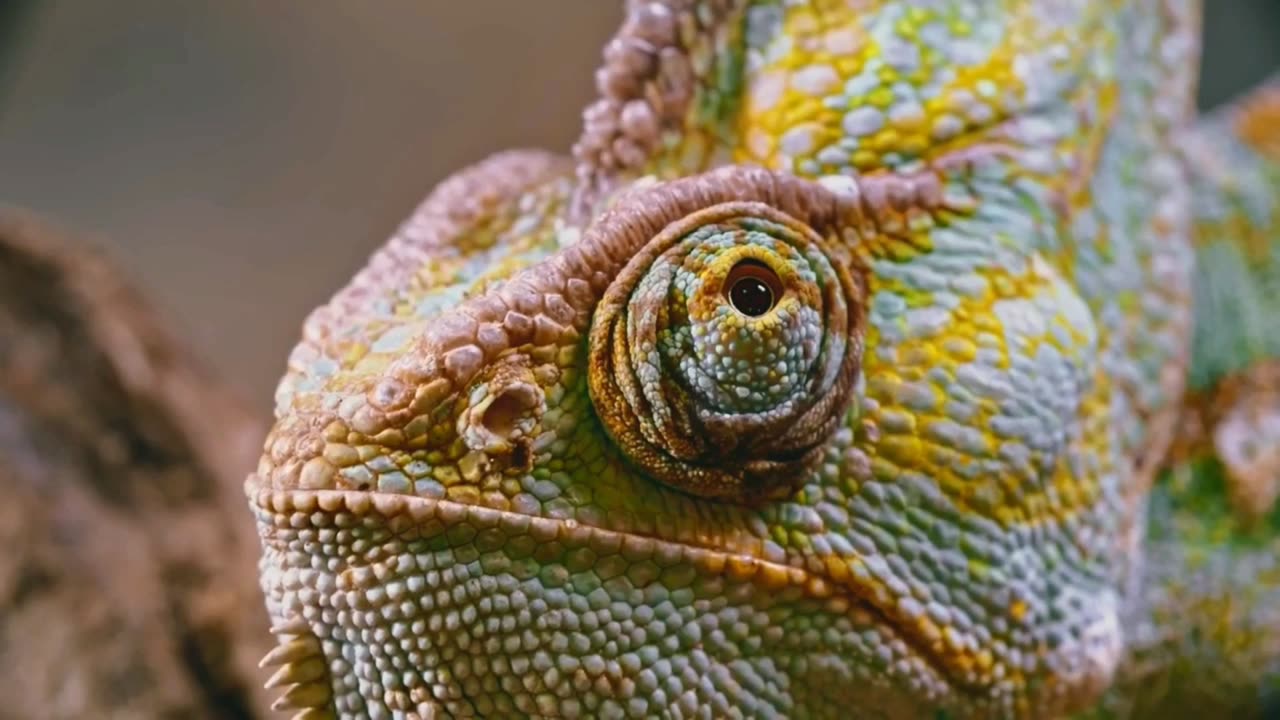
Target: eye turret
{"x": 723, "y": 355}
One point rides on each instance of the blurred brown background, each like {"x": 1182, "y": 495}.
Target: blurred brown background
{"x": 240, "y": 159}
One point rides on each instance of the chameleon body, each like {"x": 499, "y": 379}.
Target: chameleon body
{"x": 868, "y": 358}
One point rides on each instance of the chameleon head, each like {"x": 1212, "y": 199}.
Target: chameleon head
{"x": 639, "y": 437}
{"x": 690, "y": 456}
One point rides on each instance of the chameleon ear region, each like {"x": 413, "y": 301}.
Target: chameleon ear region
{"x": 724, "y": 354}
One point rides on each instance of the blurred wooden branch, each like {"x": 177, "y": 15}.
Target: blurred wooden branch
{"x": 128, "y": 585}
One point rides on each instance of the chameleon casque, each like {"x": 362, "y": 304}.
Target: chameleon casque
{"x": 867, "y": 359}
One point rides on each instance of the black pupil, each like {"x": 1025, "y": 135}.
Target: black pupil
{"x": 751, "y": 296}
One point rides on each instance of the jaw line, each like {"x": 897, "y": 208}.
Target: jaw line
{"x": 404, "y": 512}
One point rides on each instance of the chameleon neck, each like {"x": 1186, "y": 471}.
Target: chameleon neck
{"x": 1204, "y": 623}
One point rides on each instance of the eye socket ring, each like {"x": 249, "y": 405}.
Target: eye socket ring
{"x": 753, "y": 288}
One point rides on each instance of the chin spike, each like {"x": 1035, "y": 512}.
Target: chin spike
{"x": 292, "y": 651}
{"x": 303, "y": 671}
{"x": 302, "y": 697}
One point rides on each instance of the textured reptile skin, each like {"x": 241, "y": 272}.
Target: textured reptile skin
{"x": 872, "y": 359}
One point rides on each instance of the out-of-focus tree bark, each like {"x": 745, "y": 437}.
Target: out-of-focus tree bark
{"x": 128, "y": 585}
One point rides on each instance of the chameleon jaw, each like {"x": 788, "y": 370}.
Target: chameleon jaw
{"x": 301, "y": 619}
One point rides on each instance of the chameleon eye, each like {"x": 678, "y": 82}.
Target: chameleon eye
{"x": 723, "y": 355}
{"x": 752, "y": 288}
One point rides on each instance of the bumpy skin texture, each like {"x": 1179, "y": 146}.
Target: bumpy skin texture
{"x": 549, "y": 456}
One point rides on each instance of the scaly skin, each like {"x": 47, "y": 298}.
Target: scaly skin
{"x": 542, "y": 457}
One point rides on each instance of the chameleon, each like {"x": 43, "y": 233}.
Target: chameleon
{"x": 865, "y": 358}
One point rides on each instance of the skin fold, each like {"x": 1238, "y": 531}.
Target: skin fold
{"x": 870, "y": 359}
